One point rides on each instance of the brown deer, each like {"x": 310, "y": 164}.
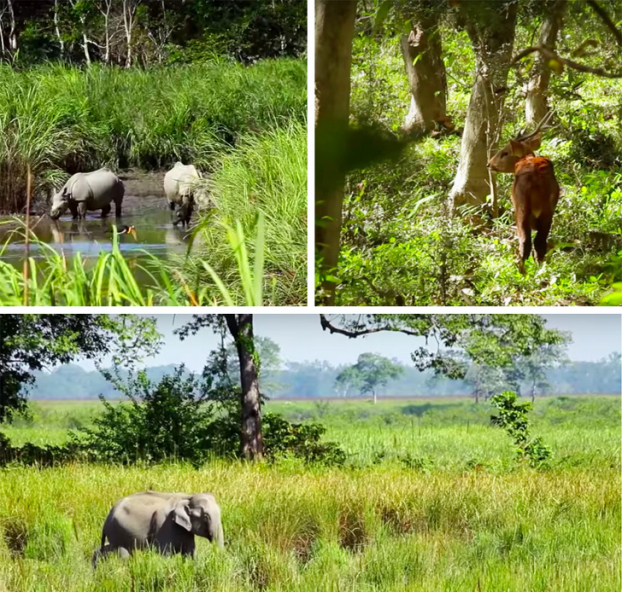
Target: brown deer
{"x": 534, "y": 193}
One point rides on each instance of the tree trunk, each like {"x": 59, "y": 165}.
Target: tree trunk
{"x": 492, "y": 35}
{"x": 129, "y": 10}
{"x": 334, "y": 29}
{"x": 61, "y": 43}
{"x": 85, "y": 45}
{"x": 251, "y": 443}
{"x": 425, "y": 68}
{"x": 106, "y": 15}
{"x": 536, "y": 106}
{"x": 375, "y": 397}
{"x": 2, "y": 47}
{"x": 12, "y": 30}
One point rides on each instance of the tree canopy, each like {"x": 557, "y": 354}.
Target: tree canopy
{"x": 480, "y": 343}
{"x": 30, "y": 342}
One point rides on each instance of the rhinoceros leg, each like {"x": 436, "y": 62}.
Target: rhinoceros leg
{"x": 106, "y": 210}
{"x": 81, "y": 210}
{"x": 73, "y": 208}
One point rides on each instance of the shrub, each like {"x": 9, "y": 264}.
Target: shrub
{"x": 183, "y": 418}
{"x": 162, "y": 421}
{"x": 513, "y": 418}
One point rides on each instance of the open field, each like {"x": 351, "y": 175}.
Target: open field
{"x": 429, "y": 499}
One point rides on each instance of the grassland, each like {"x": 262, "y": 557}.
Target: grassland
{"x": 430, "y": 499}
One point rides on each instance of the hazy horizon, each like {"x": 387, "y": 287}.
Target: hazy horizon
{"x": 301, "y": 339}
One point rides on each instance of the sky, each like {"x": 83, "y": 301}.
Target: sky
{"x": 301, "y": 338}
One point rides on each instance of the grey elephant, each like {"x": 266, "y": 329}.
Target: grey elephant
{"x": 88, "y": 192}
{"x": 167, "y": 522}
{"x": 181, "y": 188}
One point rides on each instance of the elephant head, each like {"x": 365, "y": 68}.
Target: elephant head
{"x": 200, "y": 515}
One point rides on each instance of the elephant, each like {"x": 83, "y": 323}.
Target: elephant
{"x": 164, "y": 521}
{"x": 87, "y": 192}
{"x": 180, "y": 187}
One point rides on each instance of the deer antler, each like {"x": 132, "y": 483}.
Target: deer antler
{"x": 542, "y": 125}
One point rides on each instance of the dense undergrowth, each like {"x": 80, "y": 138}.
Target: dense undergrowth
{"x": 244, "y": 127}
{"x": 457, "y": 514}
{"x": 250, "y": 248}
{"x": 64, "y": 119}
{"x": 401, "y": 245}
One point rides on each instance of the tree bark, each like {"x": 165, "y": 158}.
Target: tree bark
{"x": 536, "y": 103}
{"x": 85, "y": 45}
{"x": 421, "y": 50}
{"x": 2, "y": 47}
{"x": 251, "y": 442}
{"x": 61, "y": 43}
{"x": 334, "y": 30}
{"x": 129, "y": 11}
{"x": 491, "y": 27}
{"x": 12, "y": 30}
{"x": 106, "y": 14}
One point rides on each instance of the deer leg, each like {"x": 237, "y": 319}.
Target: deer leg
{"x": 543, "y": 226}
{"x": 523, "y": 230}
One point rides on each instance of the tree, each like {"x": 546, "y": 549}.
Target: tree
{"x": 31, "y": 342}
{"x": 334, "y": 30}
{"x": 129, "y": 22}
{"x": 240, "y": 327}
{"x": 487, "y": 341}
{"x": 422, "y": 50}
{"x": 491, "y": 27}
{"x": 484, "y": 380}
{"x": 536, "y": 101}
{"x": 533, "y": 368}
{"x": 371, "y": 372}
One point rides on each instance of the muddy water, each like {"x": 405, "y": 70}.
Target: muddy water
{"x": 144, "y": 207}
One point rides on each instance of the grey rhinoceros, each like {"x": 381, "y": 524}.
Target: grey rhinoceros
{"x": 180, "y": 187}
{"x": 88, "y": 192}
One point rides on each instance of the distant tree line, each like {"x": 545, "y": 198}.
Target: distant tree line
{"x": 145, "y": 32}
{"x": 319, "y": 379}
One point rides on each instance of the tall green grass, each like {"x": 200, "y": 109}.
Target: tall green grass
{"x": 111, "y": 281}
{"x": 456, "y": 514}
{"x": 249, "y": 249}
{"x": 266, "y": 173}
{"x": 60, "y": 118}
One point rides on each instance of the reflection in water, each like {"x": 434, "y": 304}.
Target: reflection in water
{"x": 155, "y": 234}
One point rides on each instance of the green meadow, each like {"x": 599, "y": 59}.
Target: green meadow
{"x": 430, "y": 498}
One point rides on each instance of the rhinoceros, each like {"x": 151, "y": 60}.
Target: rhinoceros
{"x": 180, "y": 187}
{"x": 88, "y": 192}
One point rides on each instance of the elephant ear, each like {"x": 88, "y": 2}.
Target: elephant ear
{"x": 181, "y": 515}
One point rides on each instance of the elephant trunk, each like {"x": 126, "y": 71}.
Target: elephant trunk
{"x": 219, "y": 536}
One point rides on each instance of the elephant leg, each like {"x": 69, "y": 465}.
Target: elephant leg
{"x": 106, "y": 550}
{"x": 106, "y": 210}
{"x": 82, "y": 210}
